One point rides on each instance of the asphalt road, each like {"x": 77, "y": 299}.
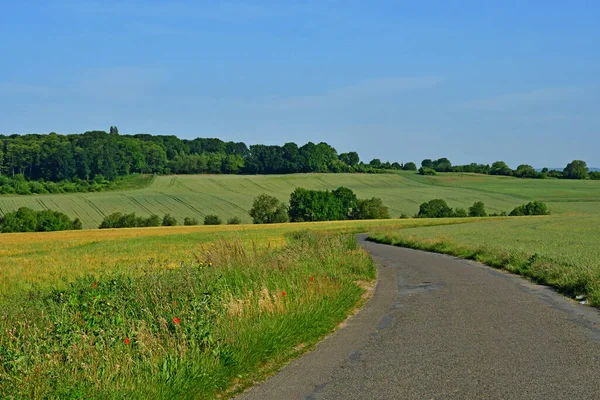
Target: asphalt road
{"x": 438, "y": 327}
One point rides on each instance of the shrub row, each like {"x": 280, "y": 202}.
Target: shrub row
{"x": 27, "y": 220}
{"x": 19, "y": 185}
{"x": 120, "y": 220}
{"x": 438, "y": 208}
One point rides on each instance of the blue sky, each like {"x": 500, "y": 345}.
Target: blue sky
{"x": 468, "y": 80}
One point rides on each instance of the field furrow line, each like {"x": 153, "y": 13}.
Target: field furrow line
{"x": 138, "y": 203}
{"x": 93, "y": 205}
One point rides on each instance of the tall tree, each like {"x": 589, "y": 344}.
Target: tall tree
{"x": 500, "y": 168}
{"x": 427, "y": 163}
{"x": 576, "y": 169}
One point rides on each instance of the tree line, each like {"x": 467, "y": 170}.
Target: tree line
{"x": 108, "y": 155}
{"x": 120, "y": 220}
{"x": 91, "y": 160}
{"x": 438, "y": 208}
{"x": 577, "y": 169}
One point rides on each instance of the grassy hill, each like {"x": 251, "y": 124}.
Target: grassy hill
{"x": 232, "y": 195}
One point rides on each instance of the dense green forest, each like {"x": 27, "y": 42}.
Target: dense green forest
{"x": 89, "y": 161}
{"x": 55, "y": 157}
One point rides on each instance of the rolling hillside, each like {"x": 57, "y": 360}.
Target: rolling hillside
{"x": 232, "y": 195}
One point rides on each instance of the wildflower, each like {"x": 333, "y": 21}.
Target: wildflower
{"x": 283, "y": 293}
{"x": 94, "y": 285}
{"x": 176, "y": 320}
{"x": 311, "y": 278}
{"x": 126, "y": 340}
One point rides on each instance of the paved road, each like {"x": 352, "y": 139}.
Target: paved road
{"x": 443, "y": 328}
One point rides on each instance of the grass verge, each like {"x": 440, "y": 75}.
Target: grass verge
{"x": 197, "y": 331}
{"x": 569, "y": 279}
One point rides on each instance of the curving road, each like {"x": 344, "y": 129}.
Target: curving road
{"x": 444, "y": 328}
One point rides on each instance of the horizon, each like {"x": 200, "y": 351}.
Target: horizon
{"x": 511, "y": 82}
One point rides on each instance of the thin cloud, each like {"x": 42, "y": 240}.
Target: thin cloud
{"x": 510, "y": 101}
{"x": 116, "y": 83}
{"x": 352, "y": 93}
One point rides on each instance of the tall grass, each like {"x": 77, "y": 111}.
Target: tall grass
{"x": 549, "y": 259}
{"x": 202, "y": 329}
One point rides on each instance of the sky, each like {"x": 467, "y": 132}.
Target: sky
{"x": 470, "y": 80}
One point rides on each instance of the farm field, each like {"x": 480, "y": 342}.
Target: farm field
{"x": 190, "y": 312}
{"x": 53, "y": 259}
{"x": 562, "y": 251}
{"x": 205, "y": 311}
{"x": 232, "y": 195}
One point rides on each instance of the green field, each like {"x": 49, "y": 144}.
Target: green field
{"x": 205, "y": 311}
{"x": 232, "y": 195}
{"x": 562, "y": 251}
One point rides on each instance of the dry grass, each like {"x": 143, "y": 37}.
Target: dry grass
{"x": 56, "y": 258}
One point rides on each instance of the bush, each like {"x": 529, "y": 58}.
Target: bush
{"x": 460, "y": 213}
{"x": 531, "y": 208}
{"x": 595, "y": 175}
{"x": 477, "y": 210}
{"x": 111, "y": 221}
{"x": 23, "y": 188}
{"x": 527, "y": 171}
{"x": 77, "y": 225}
{"x": 234, "y": 221}
{"x": 37, "y": 188}
{"x": 436, "y": 208}
{"x": 372, "y": 208}
{"x": 427, "y": 171}
{"x": 404, "y": 216}
{"x": 500, "y": 168}
{"x": 153, "y": 220}
{"x": 119, "y": 220}
{"x": 409, "y": 166}
{"x": 268, "y": 210}
{"x": 212, "y": 219}
{"x": 169, "y": 220}
{"x": 189, "y": 221}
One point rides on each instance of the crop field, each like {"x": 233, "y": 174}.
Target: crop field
{"x": 205, "y": 311}
{"x": 185, "y": 312}
{"x": 562, "y": 251}
{"x": 232, "y": 195}
{"x": 53, "y": 259}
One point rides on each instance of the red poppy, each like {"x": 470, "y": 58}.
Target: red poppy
{"x": 311, "y": 278}
{"x": 95, "y": 285}
{"x": 283, "y": 293}
{"x": 126, "y": 340}
{"x": 176, "y": 320}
